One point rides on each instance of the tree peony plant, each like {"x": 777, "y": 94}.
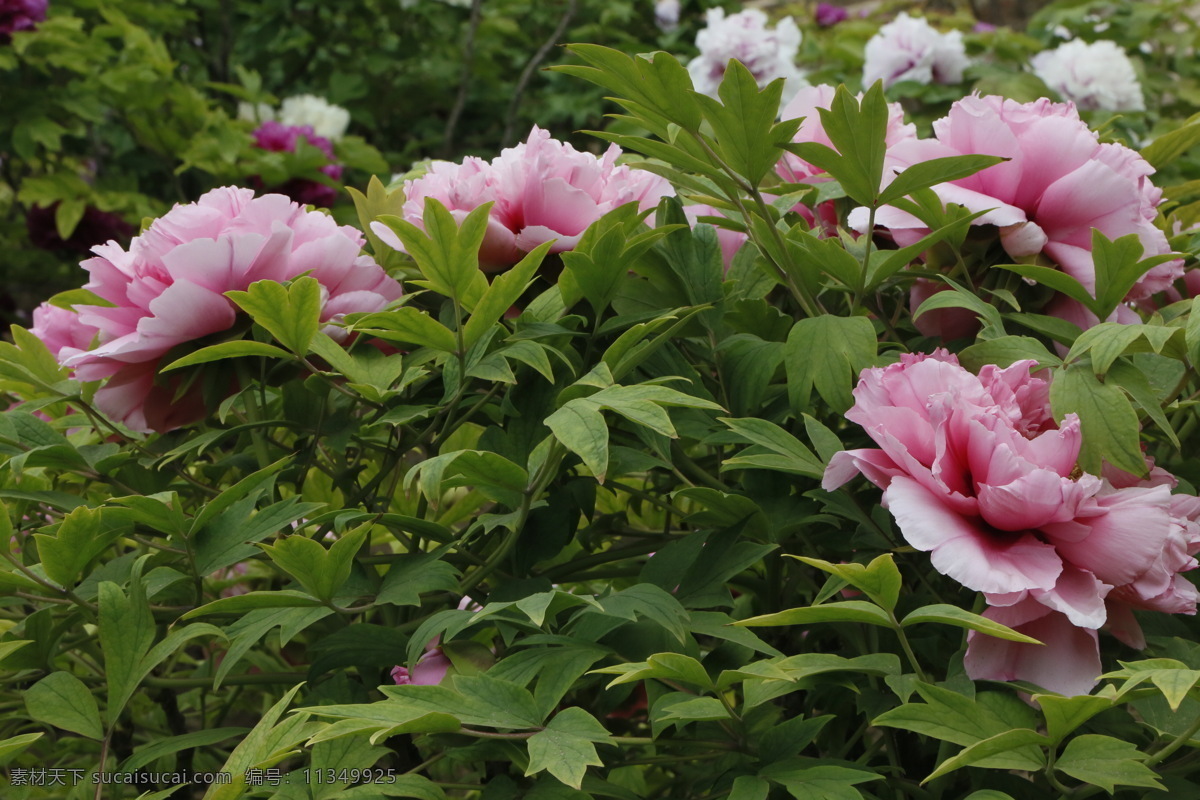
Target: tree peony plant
{"x": 1095, "y": 75}
{"x": 168, "y": 290}
{"x": 543, "y": 189}
{"x": 910, "y": 49}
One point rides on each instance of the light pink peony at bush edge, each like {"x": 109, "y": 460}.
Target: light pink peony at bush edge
{"x": 168, "y": 290}
{"x": 977, "y": 473}
{"x": 1059, "y": 183}
{"x": 543, "y": 189}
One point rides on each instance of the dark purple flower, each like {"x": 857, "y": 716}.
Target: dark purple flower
{"x": 828, "y": 14}
{"x": 95, "y": 227}
{"x": 280, "y": 138}
{"x": 20, "y": 15}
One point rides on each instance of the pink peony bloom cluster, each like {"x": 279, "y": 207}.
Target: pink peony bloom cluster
{"x": 1059, "y": 183}
{"x": 168, "y": 290}
{"x": 280, "y": 138}
{"x": 543, "y": 189}
{"x": 977, "y": 473}
{"x": 745, "y": 37}
{"x": 910, "y": 49}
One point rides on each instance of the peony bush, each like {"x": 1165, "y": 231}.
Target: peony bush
{"x": 767, "y": 441}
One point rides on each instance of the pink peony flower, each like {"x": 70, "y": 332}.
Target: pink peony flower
{"x": 543, "y": 189}
{"x": 910, "y": 49}
{"x": 1059, "y": 183}
{"x": 977, "y": 473}
{"x": 20, "y": 15}
{"x": 168, "y": 290}
{"x": 280, "y": 138}
{"x": 61, "y": 331}
{"x": 430, "y": 669}
{"x": 1067, "y": 661}
{"x": 828, "y": 15}
{"x": 745, "y": 37}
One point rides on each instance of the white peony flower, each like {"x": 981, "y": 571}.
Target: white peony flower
{"x": 1097, "y": 75}
{"x": 666, "y": 15}
{"x": 256, "y": 112}
{"x": 326, "y": 119}
{"x": 768, "y": 54}
{"x": 910, "y": 49}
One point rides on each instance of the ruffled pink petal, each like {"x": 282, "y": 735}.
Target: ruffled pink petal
{"x": 964, "y": 549}
{"x": 1127, "y": 531}
{"x": 1067, "y": 661}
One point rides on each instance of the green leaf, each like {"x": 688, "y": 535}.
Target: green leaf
{"x": 446, "y": 254}
{"x": 663, "y": 666}
{"x": 318, "y": 570}
{"x": 1106, "y": 342}
{"x": 964, "y": 721}
{"x": 953, "y": 615}
{"x": 746, "y": 137}
{"x": 749, "y": 787}
{"x": 224, "y": 350}
{"x": 505, "y": 289}
{"x": 291, "y": 314}
{"x": 1111, "y": 431}
{"x": 1170, "y": 146}
{"x": 791, "y": 455}
{"x": 1006, "y": 350}
{"x": 822, "y": 782}
{"x": 567, "y": 746}
{"x": 879, "y": 580}
{"x": 1119, "y": 265}
{"x": 847, "y": 611}
{"x": 697, "y": 709}
{"x": 62, "y": 700}
{"x": 282, "y": 598}
{"x": 1065, "y": 714}
{"x": 1001, "y": 744}
{"x": 163, "y": 747}
{"x": 581, "y": 428}
{"x": 265, "y": 740}
{"x": 126, "y": 634}
{"x": 410, "y": 326}
{"x": 858, "y": 132}
{"x": 829, "y": 353}
{"x": 80, "y": 538}
{"x": 410, "y": 576}
{"x": 963, "y": 298}
{"x": 15, "y": 745}
{"x": 924, "y": 174}
{"x": 1106, "y": 762}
